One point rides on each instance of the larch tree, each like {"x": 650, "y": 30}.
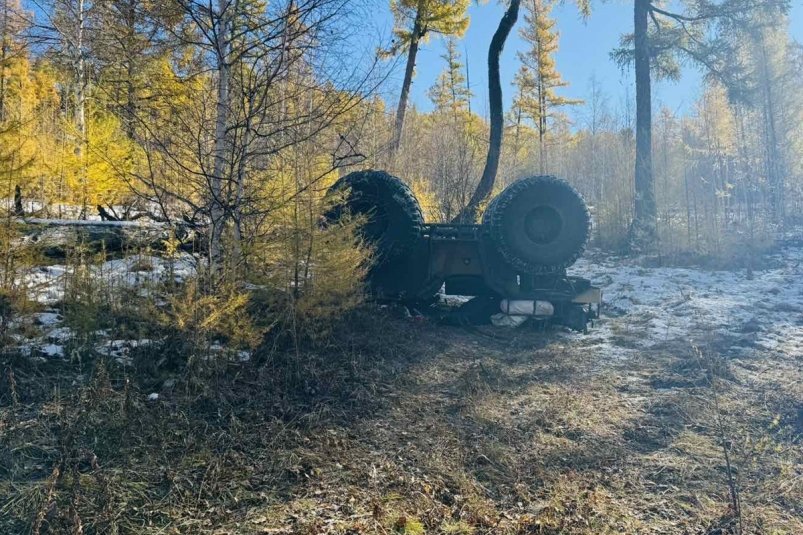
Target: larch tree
{"x": 223, "y": 33}
{"x": 12, "y": 24}
{"x": 415, "y": 21}
{"x": 768, "y": 73}
{"x": 12, "y": 52}
{"x": 269, "y": 83}
{"x": 538, "y": 78}
{"x": 135, "y": 38}
{"x": 497, "y": 118}
{"x": 751, "y": 57}
{"x": 227, "y": 35}
{"x": 451, "y": 92}
{"x": 455, "y": 138}
{"x": 716, "y": 146}
{"x": 65, "y": 26}
{"x": 645, "y": 219}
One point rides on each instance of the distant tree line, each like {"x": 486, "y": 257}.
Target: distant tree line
{"x": 235, "y": 115}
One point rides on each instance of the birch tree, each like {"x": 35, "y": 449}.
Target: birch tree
{"x": 274, "y": 85}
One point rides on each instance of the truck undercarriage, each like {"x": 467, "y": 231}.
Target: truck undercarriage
{"x": 516, "y": 259}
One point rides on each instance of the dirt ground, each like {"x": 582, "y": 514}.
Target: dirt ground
{"x": 680, "y": 413}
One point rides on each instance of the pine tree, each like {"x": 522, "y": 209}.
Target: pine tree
{"x": 128, "y": 51}
{"x": 17, "y": 104}
{"x": 450, "y": 92}
{"x": 538, "y": 78}
{"x": 415, "y": 21}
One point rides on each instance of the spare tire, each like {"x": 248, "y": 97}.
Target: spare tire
{"x": 539, "y": 224}
{"x": 394, "y": 220}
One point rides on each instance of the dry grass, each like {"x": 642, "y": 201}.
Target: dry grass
{"x": 396, "y": 427}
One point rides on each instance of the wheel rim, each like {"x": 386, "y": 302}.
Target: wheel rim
{"x": 543, "y": 225}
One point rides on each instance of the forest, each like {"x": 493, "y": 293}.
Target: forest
{"x": 190, "y": 344}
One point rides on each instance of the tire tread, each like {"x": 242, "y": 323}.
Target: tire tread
{"x": 493, "y": 223}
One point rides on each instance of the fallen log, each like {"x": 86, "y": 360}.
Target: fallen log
{"x": 58, "y": 238}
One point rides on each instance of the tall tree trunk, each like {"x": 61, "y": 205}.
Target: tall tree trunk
{"x": 130, "y": 105}
{"x": 4, "y": 49}
{"x": 542, "y": 152}
{"x": 80, "y": 105}
{"x": 643, "y": 229}
{"x": 774, "y": 160}
{"x": 468, "y": 81}
{"x": 217, "y": 211}
{"x": 131, "y": 96}
{"x": 540, "y": 89}
{"x": 486, "y": 184}
{"x": 19, "y": 210}
{"x": 409, "y": 70}
{"x": 242, "y": 170}
{"x": 516, "y": 144}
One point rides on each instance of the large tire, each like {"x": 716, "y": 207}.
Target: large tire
{"x": 538, "y": 224}
{"x": 394, "y": 220}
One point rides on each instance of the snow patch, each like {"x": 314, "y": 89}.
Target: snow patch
{"x": 53, "y": 351}
{"x": 47, "y": 319}
{"x": 46, "y": 284}
{"x": 119, "y": 350}
{"x": 646, "y": 306}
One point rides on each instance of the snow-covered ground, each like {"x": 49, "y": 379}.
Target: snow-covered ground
{"x": 45, "y": 335}
{"x": 46, "y": 284}
{"x": 645, "y": 307}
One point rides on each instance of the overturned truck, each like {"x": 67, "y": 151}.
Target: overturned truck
{"x": 513, "y": 262}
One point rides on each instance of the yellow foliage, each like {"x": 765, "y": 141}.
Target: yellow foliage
{"x": 28, "y": 94}
{"x": 422, "y": 189}
{"x": 717, "y": 128}
{"x": 319, "y": 269}
{"x": 443, "y": 17}
{"x": 201, "y": 316}
{"x": 451, "y": 91}
{"x": 94, "y": 172}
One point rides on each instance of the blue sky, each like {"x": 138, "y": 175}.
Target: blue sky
{"x": 585, "y": 46}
